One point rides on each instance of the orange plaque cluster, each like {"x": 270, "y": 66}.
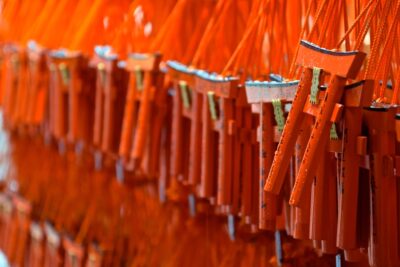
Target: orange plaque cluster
{"x": 129, "y": 117}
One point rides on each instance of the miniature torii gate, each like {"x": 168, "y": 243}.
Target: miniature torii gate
{"x": 381, "y": 124}
{"x": 14, "y": 82}
{"x": 341, "y": 65}
{"x": 110, "y": 96}
{"x": 268, "y": 100}
{"x": 144, "y": 115}
{"x": 38, "y": 77}
{"x": 351, "y": 147}
{"x": 186, "y": 125}
{"x": 228, "y": 132}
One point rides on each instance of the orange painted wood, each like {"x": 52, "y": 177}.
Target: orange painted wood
{"x": 246, "y": 207}
{"x": 149, "y": 65}
{"x": 348, "y": 181}
{"x": 208, "y": 163}
{"x": 37, "y": 87}
{"x": 237, "y": 161}
{"x": 74, "y": 253}
{"x": 36, "y": 245}
{"x": 130, "y": 118}
{"x": 309, "y": 56}
{"x": 321, "y": 127}
{"x": 330, "y": 211}
{"x": 318, "y": 201}
{"x": 285, "y": 147}
{"x": 53, "y": 249}
{"x": 225, "y": 152}
{"x": 383, "y": 194}
{"x": 179, "y": 136}
{"x": 195, "y": 138}
{"x": 268, "y": 202}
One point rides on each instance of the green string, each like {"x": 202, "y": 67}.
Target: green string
{"x": 314, "y": 86}
{"x": 184, "y": 93}
{"x": 333, "y": 133}
{"x": 65, "y": 74}
{"x": 278, "y": 113}
{"x": 15, "y": 63}
{"x": 139, "y": 78}
{"x": 102, "y": 72}
{"x": 211, "y": 104}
